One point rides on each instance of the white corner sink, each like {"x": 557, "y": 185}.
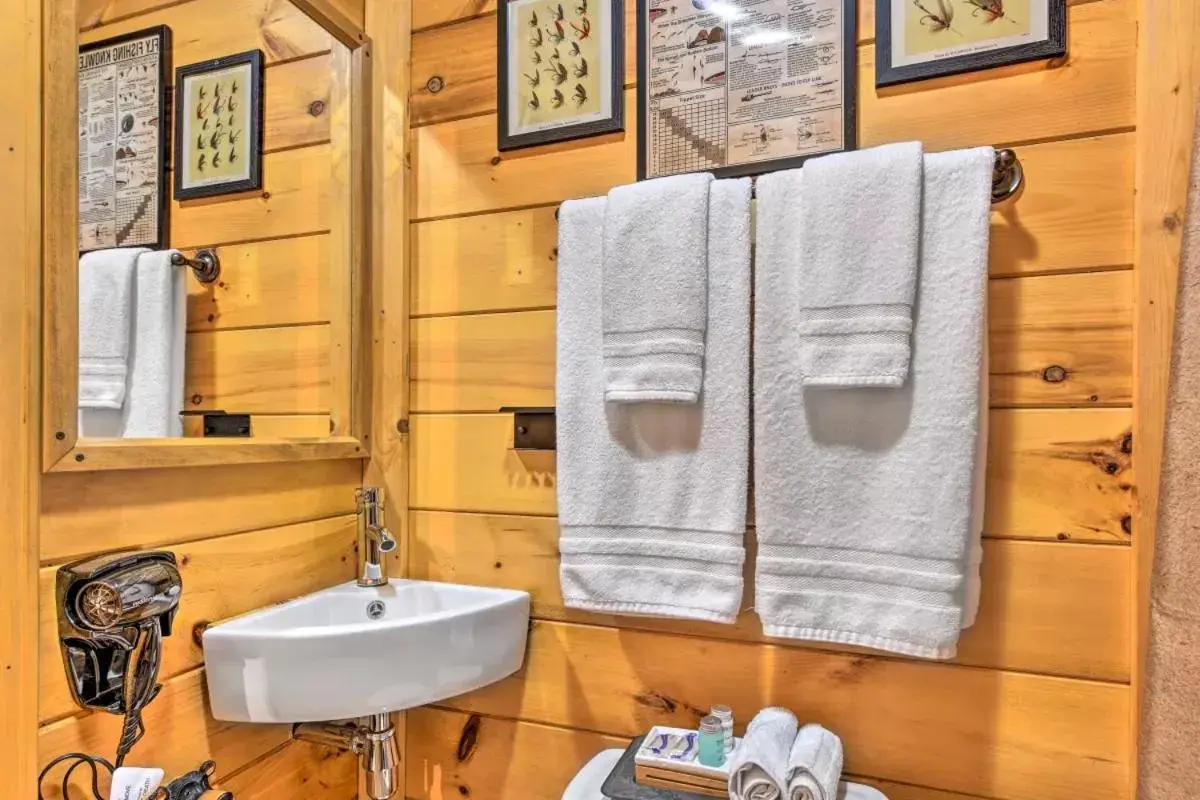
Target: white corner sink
{"x": 330, "y": 655}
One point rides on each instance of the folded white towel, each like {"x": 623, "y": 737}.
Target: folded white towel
{"x": 758, "y": 768}
{"x": 105, "y": 311}
{"x": 859, "y": 215}
{"x": 156, "y": 378}
{"x": 814, "y": 765}
{"x": 656, "y": 290}
{"x": 652, "y": 497}
{"x": 864, "y": 498}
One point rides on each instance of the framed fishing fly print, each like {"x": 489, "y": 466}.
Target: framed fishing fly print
{"x": 921, "y": 39}
{"x": 219, "y": 126}
{"x": 741, "y": 88}
{"x": 561, "y": 70}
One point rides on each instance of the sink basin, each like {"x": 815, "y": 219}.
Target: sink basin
{"x": 349, "y": 651}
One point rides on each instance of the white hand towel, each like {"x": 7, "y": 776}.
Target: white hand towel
{"x": 758, "y": 768}
{"x": 105, "y": 311}
{"x": 860, "y": 220}
{"x": 864, "y": 498}
{"x": 157, "y": 365}
{"x": 652, "y": 497}
{"x": 814, "y": 765}
{"x": 655, "y": 295}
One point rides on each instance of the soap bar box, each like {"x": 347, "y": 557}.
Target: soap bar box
{"x": 659, "y": 765}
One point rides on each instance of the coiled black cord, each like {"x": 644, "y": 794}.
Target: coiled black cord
{"x": 96, "y": 763}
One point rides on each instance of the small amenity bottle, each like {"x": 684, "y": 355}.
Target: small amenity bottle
{"x": 725, "y": 714}
{"x": 712, "y": 742}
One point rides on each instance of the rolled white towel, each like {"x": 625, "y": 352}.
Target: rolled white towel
{"x": 814, "y": 765}
{"x": 758, "y": 768}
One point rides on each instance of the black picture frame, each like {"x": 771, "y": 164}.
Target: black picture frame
{"x": 1054, "y": 46}
{"x": 163, "y": 34}
{"x": 612, "y": 124}
{"x": 254, "y": 58}
{"x": 849, "y": 109}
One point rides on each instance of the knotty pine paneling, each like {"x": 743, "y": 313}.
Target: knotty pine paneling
{"x": 281, "y": 370}
{"x": 249, "y": 535}
{"x": 180, "y": 735}
{"x": 1052, "y": 474}
{"x": 264, "y": 284}
{"x": 432, "y": 13}
{"x": 1037, "y": 703}
{"x": 1028, "y": 106}
{"x": 507, "y": 759}
{"x": 205, "y": 29}
{"x": 1072, "y": 216}
{"x": 298, "y": 770}
{"x": 1061, "y": 340}
{"x": 978, "y": 731}
{"x": 222, "y": 577}
{"x": 1033, "y": 592}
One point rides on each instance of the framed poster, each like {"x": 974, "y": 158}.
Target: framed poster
{"x": 561, "y": 70}
{"x": 922, "y": 39}
{"x": 219, "y": 126}
{"x": 741, "y": 88}
{"x": 123, "y": 140}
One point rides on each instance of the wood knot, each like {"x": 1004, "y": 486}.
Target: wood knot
{"x": 498, "y": 564}
{"x": 1054, "y": 374}
{"x": 496, "y": 161}
{"x": 402, "y": 427}
{"x": 1171, "y": 222}
{"x": 659, "y": 702}
{"x": 468, "y": 741}
{"x": 197, "y": 399}
{"x": 1111, "y": 468}
{"x": 80, "y": 457}
{"x": 1127, "y": 444}
{"x": 60, "y": 435}
{"x": 435, "y": 84}
{"x": 198, "y": 631}
{"x": 1063, "y": 537}
{"x": 316, "y": 108}
{"x": 1127, "y": 524}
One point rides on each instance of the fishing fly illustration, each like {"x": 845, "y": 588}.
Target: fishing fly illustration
{"x": 940, "y": 20}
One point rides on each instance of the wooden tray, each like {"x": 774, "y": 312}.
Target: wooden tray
{"x": 622, "y": 782}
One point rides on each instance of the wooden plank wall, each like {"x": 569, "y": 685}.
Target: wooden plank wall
{"x": 1037, "y": 704}
{"x": 245, "y": 536}
{"x": 259, "y": 340}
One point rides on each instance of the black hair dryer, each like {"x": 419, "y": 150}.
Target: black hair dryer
{"x": 113, "y": 611}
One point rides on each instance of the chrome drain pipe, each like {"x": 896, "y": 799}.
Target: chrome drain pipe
{"x": 373, "y": 740}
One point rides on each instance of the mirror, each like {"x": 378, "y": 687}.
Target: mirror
{"x": 151, "y": 358}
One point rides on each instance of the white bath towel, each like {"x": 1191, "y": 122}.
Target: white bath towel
{"x": 814, "y": 765}
{"x": 860, "y": 217}
{"x": 157, "y": 356}
{"x": 156, "y": 388}
{"x": 864, "y": 498}
{"x": 105, "y": 311}
{"x": 652, "y": 497}
{"x": 656, "y": 290}
{"x": 758, "y": 768}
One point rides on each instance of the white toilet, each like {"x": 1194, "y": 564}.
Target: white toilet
{"x": 587, "y": 783}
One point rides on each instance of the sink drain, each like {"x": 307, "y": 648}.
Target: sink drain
{"x": 376, "y": 609}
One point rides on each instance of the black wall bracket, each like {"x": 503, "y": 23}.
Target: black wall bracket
{"x": 533, "y": 428}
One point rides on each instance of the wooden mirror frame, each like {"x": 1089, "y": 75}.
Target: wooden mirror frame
{"x": 350, "y": 231}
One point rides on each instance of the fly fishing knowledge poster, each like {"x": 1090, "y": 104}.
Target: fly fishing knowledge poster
{"x": 742, "y": 87}
{"x": 122, "y": 141}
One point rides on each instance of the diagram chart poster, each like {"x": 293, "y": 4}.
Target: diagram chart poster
{"x": 122, "y": 141}
{"x": 742, "y": 87}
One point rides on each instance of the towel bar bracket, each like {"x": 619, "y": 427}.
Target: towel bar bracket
{"x": 533, "y": 428}
{"x": 206, "y": 266}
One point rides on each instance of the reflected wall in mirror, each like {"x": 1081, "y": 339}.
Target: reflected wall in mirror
{"x": 146, "y": 364}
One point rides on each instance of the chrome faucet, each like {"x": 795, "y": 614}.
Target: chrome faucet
{"x": 374, "y": 539}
